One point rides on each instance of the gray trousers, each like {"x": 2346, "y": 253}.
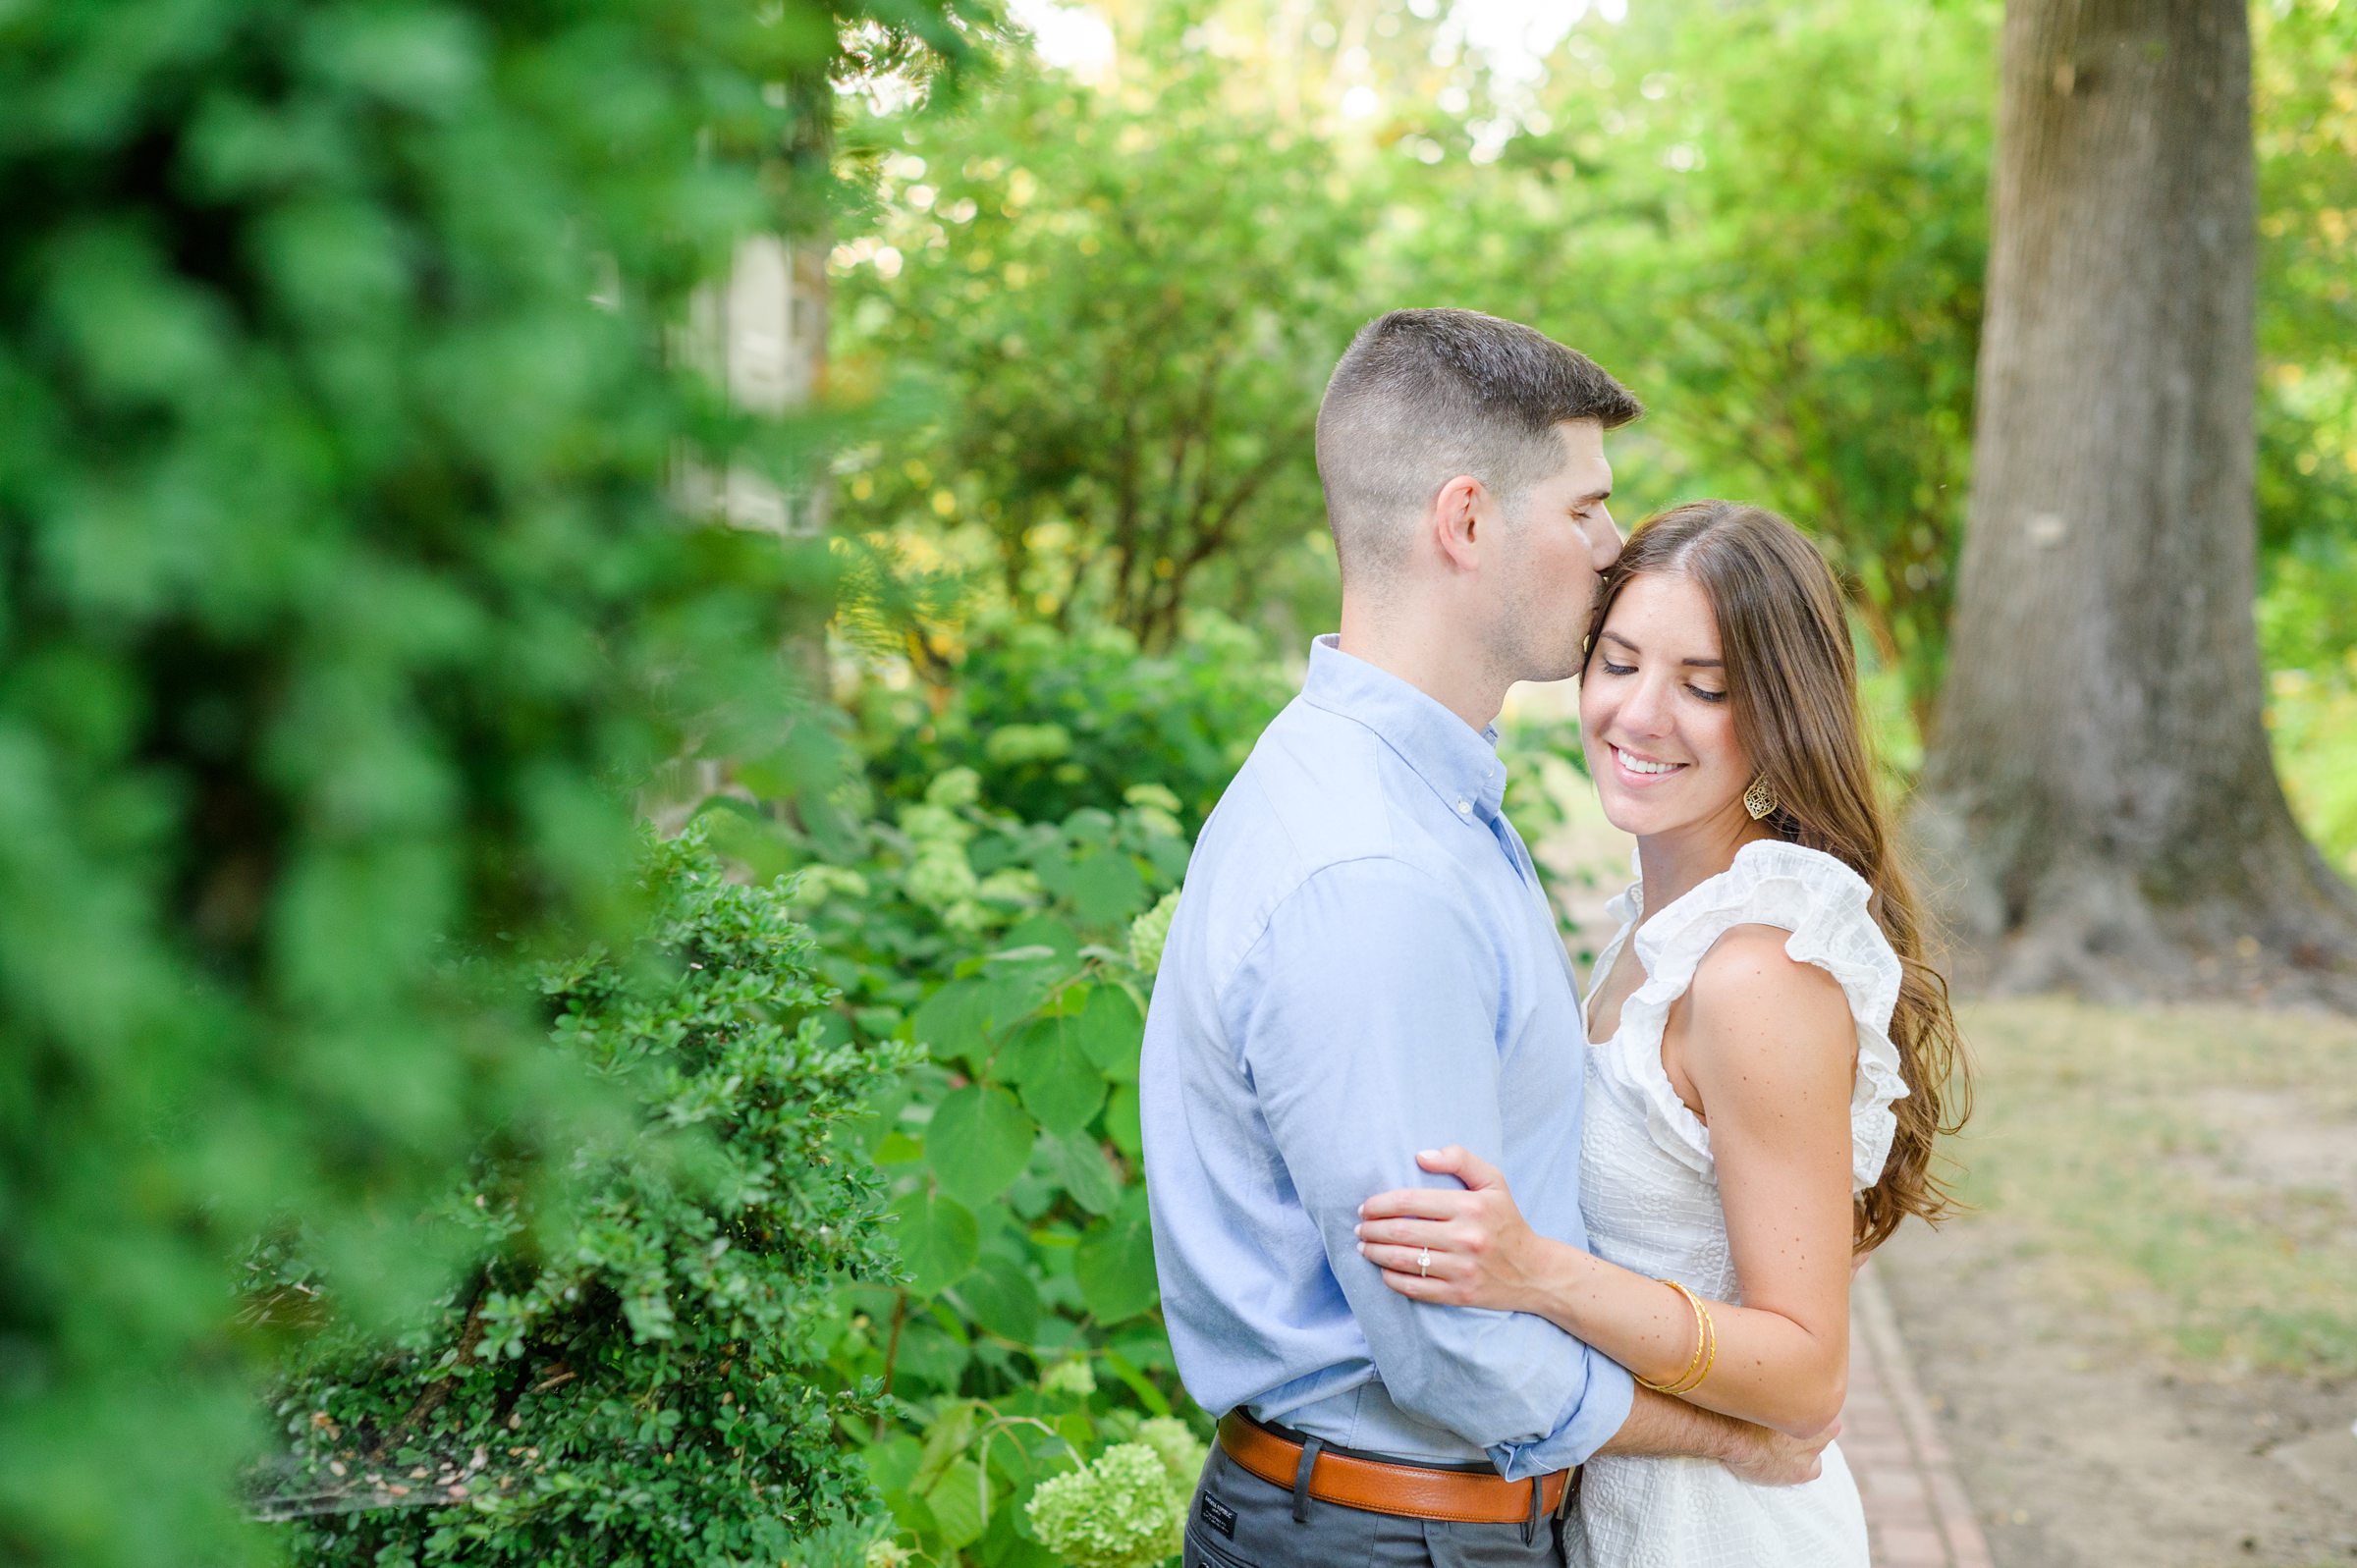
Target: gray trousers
{"x": 1239, "y": 1521}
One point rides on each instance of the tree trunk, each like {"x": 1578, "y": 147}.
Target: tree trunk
{"x": 2099, "y": 809}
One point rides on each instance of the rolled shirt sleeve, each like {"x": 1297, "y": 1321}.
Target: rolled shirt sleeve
{"x": 1372, "y": 1008}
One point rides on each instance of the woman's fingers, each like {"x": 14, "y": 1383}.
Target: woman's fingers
{"x": 1434, "y": 1233}
{"x": 1420, "y": 1290}
{"x": 1399, "y": 1266}
{"x": 1463, "y": 1163}
{"x": 1424, "y": 1203}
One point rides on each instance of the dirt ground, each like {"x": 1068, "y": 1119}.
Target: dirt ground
{"x": 2080, "y": 1447}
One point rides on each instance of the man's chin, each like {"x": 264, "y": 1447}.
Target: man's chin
{"x": 1546, "y": 672}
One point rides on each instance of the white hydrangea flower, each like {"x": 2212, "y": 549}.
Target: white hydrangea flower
{"x": 1119, "y": 1512}
{"x": 1149, "y": 931}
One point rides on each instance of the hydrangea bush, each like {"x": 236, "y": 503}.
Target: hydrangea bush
{"x": 1014, "y": 956}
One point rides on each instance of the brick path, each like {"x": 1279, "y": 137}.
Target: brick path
{"x": 1916, "y": 1512}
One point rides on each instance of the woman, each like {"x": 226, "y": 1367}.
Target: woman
{"x": 1772, "y": 1061}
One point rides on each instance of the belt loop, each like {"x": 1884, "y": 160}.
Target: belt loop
{"x": 1530, "y": 1526}
{"x": 1302, "y": 1474}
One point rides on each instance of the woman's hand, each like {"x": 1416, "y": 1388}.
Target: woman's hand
{"x": 1461, "y": 1249}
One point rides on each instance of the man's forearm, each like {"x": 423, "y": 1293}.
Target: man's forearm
{"x": 1658, "y": 1425}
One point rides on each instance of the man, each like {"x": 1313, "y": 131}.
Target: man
{"x": 1363, "y": 966}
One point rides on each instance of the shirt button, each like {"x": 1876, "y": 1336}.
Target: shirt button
{"x": 1464, "y": 808}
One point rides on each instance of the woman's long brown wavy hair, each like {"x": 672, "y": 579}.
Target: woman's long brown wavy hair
{"x": 1792, "y": 683}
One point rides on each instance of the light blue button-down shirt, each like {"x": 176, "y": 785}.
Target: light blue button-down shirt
{"x": 1362, "y": 966}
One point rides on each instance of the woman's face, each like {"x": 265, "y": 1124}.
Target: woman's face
{"x": 1654, "y": 718}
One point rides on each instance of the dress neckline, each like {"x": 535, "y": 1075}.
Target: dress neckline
{"x": 1631, "y": 901}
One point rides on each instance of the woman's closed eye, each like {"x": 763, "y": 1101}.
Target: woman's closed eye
{"x": 1704, "y": 692}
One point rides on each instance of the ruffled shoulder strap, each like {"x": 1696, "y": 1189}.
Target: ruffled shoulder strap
{"x": 1824, "y": 904}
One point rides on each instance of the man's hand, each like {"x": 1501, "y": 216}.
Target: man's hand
{"x": 1768, "y": 1458}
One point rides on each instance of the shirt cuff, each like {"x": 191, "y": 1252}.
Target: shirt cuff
{"x": 1595, "y": 1414}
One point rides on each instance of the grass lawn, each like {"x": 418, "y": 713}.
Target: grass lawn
{"x": 2191, "y": 1171}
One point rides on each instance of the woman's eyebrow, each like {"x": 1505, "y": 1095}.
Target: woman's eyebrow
{"x": 1695, "y": 664}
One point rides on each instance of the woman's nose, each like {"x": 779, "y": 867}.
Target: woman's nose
{"x": 1646, "y": 711}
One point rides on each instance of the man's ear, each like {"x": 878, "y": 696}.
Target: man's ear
{"x": 1459, "y": 517}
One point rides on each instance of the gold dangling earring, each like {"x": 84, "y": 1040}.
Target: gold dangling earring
{"x": 1759, "y": 799}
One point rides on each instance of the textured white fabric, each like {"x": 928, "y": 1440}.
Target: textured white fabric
{"x": 1650, "y": 1193}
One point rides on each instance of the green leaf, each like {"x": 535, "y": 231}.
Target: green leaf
{"x": 960, "y": 1504}
{"x": 1124, "y": 1367}
{"x": 954, "y": 1022}
{"x": 946, "y": 1438}
{"x": 978, "y": 1143}
{"x": 1060, "y": 1085}
{"x": 1114, "y": 1268}
{"x": 999, "y": 1296}
{"x": 1081, "y": 1165}
{"x": 909, "y": 1511}
{"x": 1113, "y": 1031}
{"x": 937, "y": 1240}
{"x": 891, "y": 1463}
{"x": 1106, "y": 888}
{"x": 931, "y": 1356}
{"x": 1045, "y": 930}
{"x": 1122, "y": 1122}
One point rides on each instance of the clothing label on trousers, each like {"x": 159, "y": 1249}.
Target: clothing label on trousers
{"x": 1219, "y": 1516}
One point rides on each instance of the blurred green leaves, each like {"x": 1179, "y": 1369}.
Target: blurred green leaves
{"x": 1147, "y": 730}
{"x": 345, "y": 600}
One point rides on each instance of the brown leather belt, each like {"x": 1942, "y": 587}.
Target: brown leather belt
{"x": 1409, "y": 1491}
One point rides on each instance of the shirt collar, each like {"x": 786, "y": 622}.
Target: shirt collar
{"x": 1460, "y": 764}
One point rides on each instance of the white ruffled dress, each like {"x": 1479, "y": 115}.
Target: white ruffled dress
{"x": 1650, "y": 1193}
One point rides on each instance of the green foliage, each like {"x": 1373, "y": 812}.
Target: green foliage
{"x": 2311, "y": 696}
{"x": 1052, "y": 723}
{"x": 2304, "y": 94}
{"x": 1024, "y": 1329}
{"x": 343, "y": 601}
{"x": 1798, "y": 346}
{"x": 1127, "y": 304}
{"x": 1791, "y": 280}
{"x": 628, "y": 1375}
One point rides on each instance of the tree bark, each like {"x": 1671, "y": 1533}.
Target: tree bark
{"x": 2099, "y": 809}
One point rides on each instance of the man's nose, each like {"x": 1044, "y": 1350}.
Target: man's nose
{"x": 1607, "y": 545}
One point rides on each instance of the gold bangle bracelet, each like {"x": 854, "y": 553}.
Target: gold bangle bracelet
{"x": 1710, "y": 1329}
{"x": 1702, "y": 1336}
{"x": 1706, "y": 1348}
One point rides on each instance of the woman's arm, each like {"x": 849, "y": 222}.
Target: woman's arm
{"x": 1764, "y": 1046}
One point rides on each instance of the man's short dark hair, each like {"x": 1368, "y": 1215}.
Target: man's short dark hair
{"x": 1423, "y": 395}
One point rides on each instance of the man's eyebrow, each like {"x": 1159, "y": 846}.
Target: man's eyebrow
{"x": 1694, "y": 664}
{"x": 1592, "y": 497}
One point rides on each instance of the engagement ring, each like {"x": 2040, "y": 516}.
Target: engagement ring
{"x": 1424, "y": 1263}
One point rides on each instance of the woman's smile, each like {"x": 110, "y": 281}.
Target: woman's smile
{"x": 1640, "y": 771}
